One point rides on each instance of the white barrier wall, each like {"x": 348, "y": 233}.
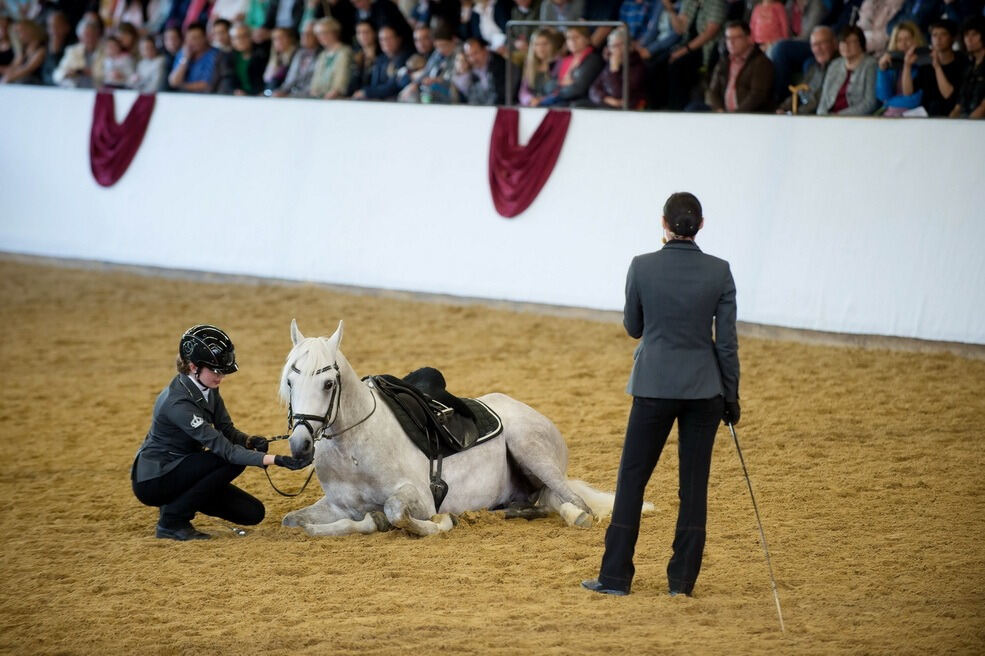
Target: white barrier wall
{"x": 868, "y": 226}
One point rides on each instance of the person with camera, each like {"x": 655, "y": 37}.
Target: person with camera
{"x": 899, "y": 64}
{"x": 193, "y": 452}
{"x": 682, "y": 372}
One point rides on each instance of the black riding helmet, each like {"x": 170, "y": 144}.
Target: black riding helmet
{"x": 207, "y": 346}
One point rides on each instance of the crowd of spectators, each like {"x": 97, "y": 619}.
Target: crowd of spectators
{"x": 858, "y": 57}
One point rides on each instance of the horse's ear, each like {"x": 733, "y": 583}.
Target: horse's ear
{"x": 338, "y": 333}
{"x": 296, "y": 335}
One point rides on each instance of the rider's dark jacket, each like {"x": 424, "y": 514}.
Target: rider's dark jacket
{"x": 185, "y": 423}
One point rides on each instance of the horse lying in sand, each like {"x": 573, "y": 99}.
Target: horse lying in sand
{"x": 375, "y": 478}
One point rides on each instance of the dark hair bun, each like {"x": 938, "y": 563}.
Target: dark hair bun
{"x": 683, "y": 213}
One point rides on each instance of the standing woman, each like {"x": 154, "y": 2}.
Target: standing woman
{"x": 680, "y": 372}
{"x": 173, "y": 469}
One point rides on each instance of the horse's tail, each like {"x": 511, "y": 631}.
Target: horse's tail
{"x": 600, "y": 502}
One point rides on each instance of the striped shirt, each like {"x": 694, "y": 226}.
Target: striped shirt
{"x": 635, "y": 13}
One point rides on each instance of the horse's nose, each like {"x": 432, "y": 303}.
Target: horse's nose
{"x": 307, "y": 446}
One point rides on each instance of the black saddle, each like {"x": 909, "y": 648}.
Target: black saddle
{"x": 437, "y": 422}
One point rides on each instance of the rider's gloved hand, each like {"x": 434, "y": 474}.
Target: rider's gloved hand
{"x": 732, "y": 413}
{"x": 292, "y": 463}
{"x": 257, "y": 443}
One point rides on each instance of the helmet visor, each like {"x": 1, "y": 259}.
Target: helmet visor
{"x": 226, "y": 361}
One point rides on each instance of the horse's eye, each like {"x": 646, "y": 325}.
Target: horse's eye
{"x": 328, "y": 385}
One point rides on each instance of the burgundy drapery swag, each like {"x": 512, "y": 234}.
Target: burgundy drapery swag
{"x": 112, "y": 145}
{"x": 518, "y": 173}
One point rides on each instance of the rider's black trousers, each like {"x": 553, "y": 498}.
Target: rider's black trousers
{"x": 650, "y": 421}
{"x": 202, "y": 482}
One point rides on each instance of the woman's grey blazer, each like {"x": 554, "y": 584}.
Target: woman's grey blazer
{"x": 673, "y": 297}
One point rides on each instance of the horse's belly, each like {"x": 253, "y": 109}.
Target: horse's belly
{"x": 478, "y": 478}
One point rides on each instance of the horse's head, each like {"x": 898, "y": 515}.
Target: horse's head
{"x": 311, "y": 385}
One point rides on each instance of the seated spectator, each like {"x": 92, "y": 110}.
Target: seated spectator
{"x": 196, "y": 68}
{"x": 577, "y": 71}
{"x": 241, "y": 70}
{"x": 171, "y": 46}
{"x": 825, "y": 50}
{"x": 941, "y": 79}
{"x": 743, "y": 80}
{"x": 297, "y": 84}
{"x": 384, "y": 82}
{"x": 792, "y": 55}
{"x": 283, "y": 45}
{"x": 896, "y": 65}
{"x": 59, "y": 37}
{"x": 539, "y": 72}
{"x": 221, "y": 37}
{"x": 384, "y": 13}
{"x": 769, "y": 23}
{"x": 6, "y": 44}
{"x": 523, "y": 10}
{"x": 873, "y": 19}
{"x": 420, "y": 13}
{"x": 82, "y": 65}
{"x": 481, "y": 76}
{"x": 486, "y": 19}
{"x": 333, "y": 67}
{"x": 971, "y": 93}
{"x": 128, "y": 37}
{"x": 606, "y": 91}
{"x": 636, "y": 15}
{"x": 364, "y": 56}
{"x": 699, "y": 23}
{"x": 423, "y": 43}
{"x": 850, "y": 83}
{"x": 150, "y": 73}
{"x": 118, "y": 64}
{"x": 29, "y": 54}
{"x": 435, "y": 84}
{"x": 562, "y": 10}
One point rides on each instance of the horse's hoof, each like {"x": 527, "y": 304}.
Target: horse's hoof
{"x": 290, "y": 520}
{"x": 584, "y": 520}
{"x": 382, "y": 523}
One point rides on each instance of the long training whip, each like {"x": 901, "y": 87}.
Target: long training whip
{"x": 762, "y": 534}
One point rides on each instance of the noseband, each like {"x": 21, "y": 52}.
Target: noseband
{"x": 331, "y": 412}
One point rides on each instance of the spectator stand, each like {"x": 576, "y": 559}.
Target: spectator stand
{"x": 510, "y": 25}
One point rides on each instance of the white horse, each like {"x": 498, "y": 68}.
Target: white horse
{"x": 373, "y": 475}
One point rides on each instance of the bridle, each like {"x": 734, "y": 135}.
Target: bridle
{"x": 327, "y": 420}
{"x": 331, "y": 412}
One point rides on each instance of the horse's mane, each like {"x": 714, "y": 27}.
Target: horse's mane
{"x": 319, "y": 355}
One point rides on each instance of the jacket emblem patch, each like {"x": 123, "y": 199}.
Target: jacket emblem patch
{"x": 197, "y": 421}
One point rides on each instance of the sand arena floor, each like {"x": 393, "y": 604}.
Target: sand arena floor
{"x": 867, "y": 466}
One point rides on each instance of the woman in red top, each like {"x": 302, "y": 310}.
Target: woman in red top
{"x": 577, "y": 71}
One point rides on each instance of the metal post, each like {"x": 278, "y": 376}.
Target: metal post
{"x": 530, "y": 23}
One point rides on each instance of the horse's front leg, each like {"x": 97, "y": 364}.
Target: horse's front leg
{"x": 370, "y": 523}
{"x": 320, "y": 512}
{"x": 406, "y": 509}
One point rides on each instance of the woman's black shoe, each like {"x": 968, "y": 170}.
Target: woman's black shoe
{"x": 183, "y": 533}
{"x": 595, "y": 586}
